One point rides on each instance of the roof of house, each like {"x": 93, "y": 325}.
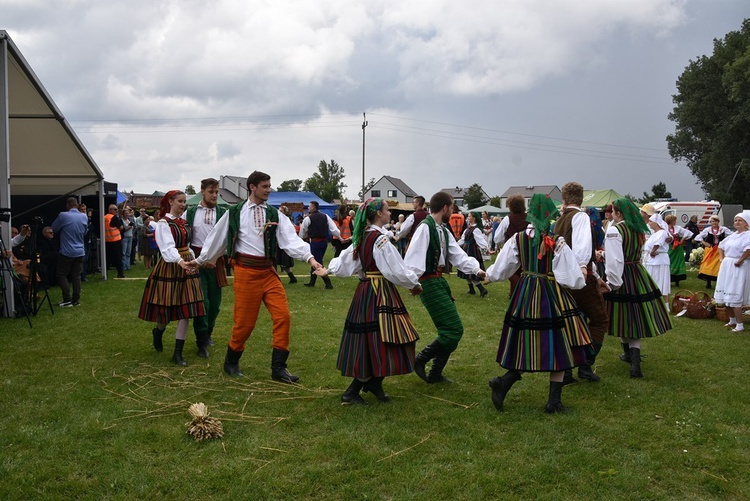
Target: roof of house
{"x": 401, "y": 186}
{"x": 529, "y": 191}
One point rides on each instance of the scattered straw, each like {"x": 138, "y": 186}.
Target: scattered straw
{"x": 407, "y": 449}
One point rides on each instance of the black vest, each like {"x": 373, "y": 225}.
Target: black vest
{"x": 318, "y": 225}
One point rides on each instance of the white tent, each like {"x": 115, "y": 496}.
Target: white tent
{"x": 39, "y": 152}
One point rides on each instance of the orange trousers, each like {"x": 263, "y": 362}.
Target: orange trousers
{"x": 253, "y": 286}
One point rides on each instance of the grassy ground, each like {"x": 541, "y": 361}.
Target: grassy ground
{"x": 90, "y": 410}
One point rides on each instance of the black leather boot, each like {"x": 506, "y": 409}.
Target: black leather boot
{"x": 625, "y": 357}
{"x": 158, "y": 334}
{"x": 201, "y": 339}
{"x": 471, "y": 289}
{"x": 568, "y": 378}
{"x": 210, "y": 339}
{"x": 428, "y": 353}
{"x": 587, "y": 371}
{"x": 179, "y": 344}
{"x": 232, "y": 363}
{"x": 500, "y": 387}
{"x": 351, "y": 396}
{"x": 482, "y": 291}
{"x": 313, "y": 278}
{"x": 438, "y": 364}
{"x": 328, "y": 283}
{"x": 375, "y": 386}
{"x": 292, "y": 278}
{"x": 635, "y": 363}
{"x": 278, "y": 367}
{"x": 554, "y": 402}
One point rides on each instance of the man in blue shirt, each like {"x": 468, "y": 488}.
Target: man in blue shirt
{"x": 70, "y": 226}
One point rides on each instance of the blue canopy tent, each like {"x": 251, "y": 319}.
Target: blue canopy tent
{"x": 278, "y": 198}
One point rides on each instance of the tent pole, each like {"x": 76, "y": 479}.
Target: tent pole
{"x": 9, "y": 298}
{"x": 102, "y": 245}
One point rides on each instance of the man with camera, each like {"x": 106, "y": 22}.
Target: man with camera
{"x": 70, "y": 226}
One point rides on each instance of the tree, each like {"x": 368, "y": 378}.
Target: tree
{"x": 474, "y": 196}
{"x": 290, "y": 185}
{"x": 712, "y": 118}
{"x": 369, "y": 184}
{"x": 659, "y": 190}
{"x": 189, "y": 190}
{"x": 496, "y": 201}
{"x": 327, "y": 183}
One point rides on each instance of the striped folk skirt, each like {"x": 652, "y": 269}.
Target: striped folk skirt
{"x": 379, "y": 336}
{"x": 637, "y": 310}
{"x": 171, "y": 294}
{"x": 543, "y": 331}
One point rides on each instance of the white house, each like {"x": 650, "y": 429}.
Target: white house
{"x": 234, "y": 185}
{"x": 392, "y": 188}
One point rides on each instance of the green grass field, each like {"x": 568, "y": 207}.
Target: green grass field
{"x": 91, "y": 411}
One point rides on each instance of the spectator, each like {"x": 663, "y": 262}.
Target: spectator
{"x": 71, "y": 227}
{"x": 113, "y": 239}
{"x": 48, "y": 249}
{"x": 128, "y": 230}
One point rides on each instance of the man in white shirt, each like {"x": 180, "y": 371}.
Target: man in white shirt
{"x": 203, "y": 217}
{"x": 316, "y": 227}
{"x": 575, "y": 226}
{"x": 250, "y": 232}
{"x": 432, "y": 248}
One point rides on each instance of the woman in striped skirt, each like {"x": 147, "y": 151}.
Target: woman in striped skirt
{"x": 173, "y": 290}
{"x": 474, "y": 243}
{"x": 379, "y": 337}
{"x": 543, "y": 329}
{"x": 636, "y": 309}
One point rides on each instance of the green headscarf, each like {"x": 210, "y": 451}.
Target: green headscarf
{"x": 630, "y": 214}
{"x": 477, "y": 217}
{"x": 542, "y": 210}
{"x": 362, "y": 218}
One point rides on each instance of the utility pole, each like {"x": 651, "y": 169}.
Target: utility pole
{"x": 364, "y": 124}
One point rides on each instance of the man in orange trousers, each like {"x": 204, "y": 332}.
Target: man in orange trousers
{"x": 249, "y": 232}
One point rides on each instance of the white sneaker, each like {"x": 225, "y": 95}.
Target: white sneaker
{"x": 64, "y": 304}
{"x": 730, "y": 324}
{"x": 738, "y": 329}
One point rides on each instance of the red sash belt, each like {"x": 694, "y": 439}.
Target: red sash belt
{"x": 319, "y": 239}
{"x": 248, "y": 261}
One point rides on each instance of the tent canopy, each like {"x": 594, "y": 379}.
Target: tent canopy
{"x": 599, "y": 198}
{"x": 490, "y": 209}
{"x": 278, "y": 198}
{"x": 195, "y": 200}
{"x": 46, "y": 156}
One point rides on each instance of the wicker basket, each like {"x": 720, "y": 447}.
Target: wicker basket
{"x": 680, "y": 301}
{"x": 722, "y": 313}
{"x": 700, "y": 306}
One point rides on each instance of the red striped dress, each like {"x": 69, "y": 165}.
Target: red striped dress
{"x": 379, "y": 337}
{"x": 170, "y": 293}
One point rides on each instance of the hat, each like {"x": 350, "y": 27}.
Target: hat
{"x": 744, "y": 215}
{"x": 649, "y": 209}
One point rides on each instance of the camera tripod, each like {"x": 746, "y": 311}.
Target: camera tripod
{"x": 6, "y": 270}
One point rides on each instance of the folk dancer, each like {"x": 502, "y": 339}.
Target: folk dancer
{"x": 431, "y": 249}
{"x": 202, "y": 218}
{"x": 173, "y": 289}
{"x": 379, "y": 337}
{"x": 543, "y": 330}
{"x": 249, "y": 232}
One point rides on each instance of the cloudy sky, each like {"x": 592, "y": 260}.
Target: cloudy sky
{"x": 500, "y": 93}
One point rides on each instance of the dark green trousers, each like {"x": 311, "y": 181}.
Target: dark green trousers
{"x": 211, "y": 302}
{"x": 437, "y": 299}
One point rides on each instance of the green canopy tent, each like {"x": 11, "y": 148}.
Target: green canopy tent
{"x": 490, "y": 209}
{"x": 195, "y": 200}
{"x": 599, "y": 198}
